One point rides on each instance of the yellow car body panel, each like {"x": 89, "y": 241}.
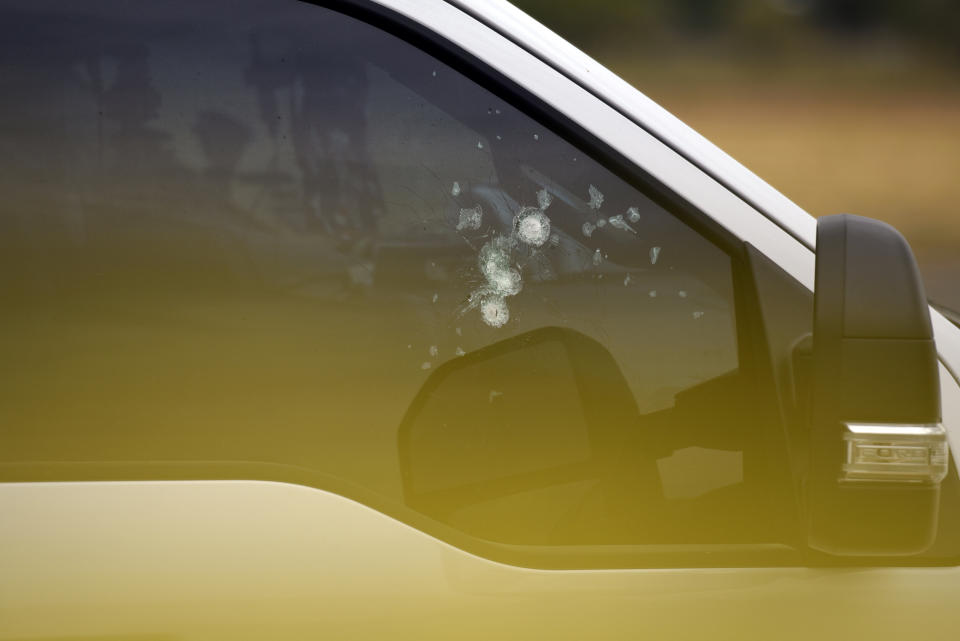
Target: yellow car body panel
{"x": 253, "y": 560}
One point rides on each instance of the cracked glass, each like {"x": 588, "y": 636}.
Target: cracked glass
{"x": 250, "y": 232}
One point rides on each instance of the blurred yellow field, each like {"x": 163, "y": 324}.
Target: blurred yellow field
{"x": 882, "y": 147}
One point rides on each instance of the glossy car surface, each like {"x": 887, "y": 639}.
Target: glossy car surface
{"x": 231, "y": 407}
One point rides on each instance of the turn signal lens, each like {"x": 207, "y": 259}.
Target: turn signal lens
{"x": 901, "y": 453}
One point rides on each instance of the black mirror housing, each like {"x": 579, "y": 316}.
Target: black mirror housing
{"x": 542, "y": 407}
{"x": 877, "y": 451}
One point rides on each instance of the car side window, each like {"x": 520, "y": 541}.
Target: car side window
{"x": 261, "y": 239}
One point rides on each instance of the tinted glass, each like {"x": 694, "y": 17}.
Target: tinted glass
{"x": 248, "y": 232}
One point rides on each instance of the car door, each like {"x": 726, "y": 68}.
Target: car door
{"x": 320, "y": 325}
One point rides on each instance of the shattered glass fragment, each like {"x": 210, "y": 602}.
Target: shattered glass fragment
{"x": 494, "y": 262}
{"x": 504, "y": 243}
{"x": 455, "y": 191}
{"x": 617, "y": 222}
{"x": 602, "y": 222}
{"x": 494, "y": 311}
{"x": 479, "y": 144}
{"x": 596, "y": 198}
{"x": 473, "y": 300}
{"x": 492, "y": 259}
{"x": 426, "y": 365}
{"x": 633, "y": 215}
{"x": 497, "y": 111}
{"x": 459, "y": 351}
{"x": 587, "y": 229}
{"x": 682, "y": 294}
{"x": 536, "y": 136}
{"x": 499, "y": 137}
{"x": 434, "y": 350}
{"x": 544, "y": 198}
{"x": 697, "y": 315}
{"x": 533, "y": 227}
{"x": 506, "y": 282}
{"x": 653, "y": 293}
{"x": 654, "y": 254}
{"x": 626, "y": 280}
{"x": 597, "y": 257}
{"x": 470, "y": 218}
{"x": 434, "y": 73}
{"x": 436, "y": 297}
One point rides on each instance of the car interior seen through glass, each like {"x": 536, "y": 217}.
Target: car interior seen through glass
{"x": 271, "y": 233}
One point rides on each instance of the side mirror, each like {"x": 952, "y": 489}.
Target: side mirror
{"x": 541, "y": 410}
{"x": 877, "y": 450}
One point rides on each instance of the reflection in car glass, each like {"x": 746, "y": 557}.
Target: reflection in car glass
{"x": 255, "y": 240}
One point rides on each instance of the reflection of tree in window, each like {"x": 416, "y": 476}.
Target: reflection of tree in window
{"x": 271, "y": 265}
{"x": 325, "y": 91}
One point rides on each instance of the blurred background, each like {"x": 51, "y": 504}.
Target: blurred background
{"x": 845, "y": 106}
